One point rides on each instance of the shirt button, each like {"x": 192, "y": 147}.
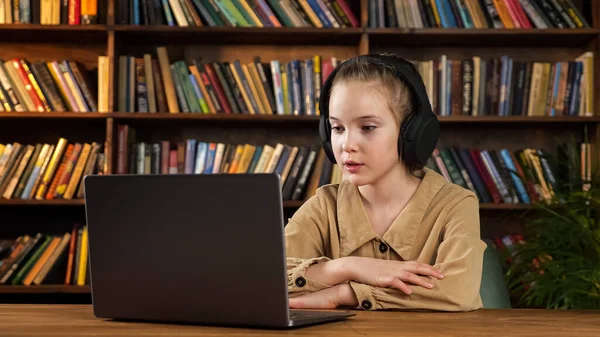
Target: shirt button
{"x": 383, "y": 247}
{"x": 366, "y": 304}
{"x": 300, "y": 282}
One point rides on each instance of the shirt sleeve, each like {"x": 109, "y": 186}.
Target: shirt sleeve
{"x": 460, "y": 259}
{"x": 305, "y": 237}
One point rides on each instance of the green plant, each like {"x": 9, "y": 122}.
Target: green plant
{"x": 558, "y": 264}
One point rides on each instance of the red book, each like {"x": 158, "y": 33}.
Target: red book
{"x": 348, "y": 12}
{"x": 214, "y": 79}
{"x": 74, "y": 12}
{"x": 489, "y": 182}
{"x": 28, "y": 85}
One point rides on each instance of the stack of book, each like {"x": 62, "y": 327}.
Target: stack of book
{"x": 46, "y": 259}
{"x": 515, "y": 177}
{"x": 294, "y": 164}
{"x": 149, "y": 84}
{"x": 54, "y": 12}
{"x": 238, "y": 13}
{"x": 505, "y": 86}
{"x": 476, "y": 14}
{"x": 48, "y": 171}
{"x": 45, "y": 86}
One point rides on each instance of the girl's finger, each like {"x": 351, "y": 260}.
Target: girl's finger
{"x": 398, "y": 284}
{"x": 416, "y": 280}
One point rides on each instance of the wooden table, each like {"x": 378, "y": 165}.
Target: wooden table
{"x": 78, "y": 320}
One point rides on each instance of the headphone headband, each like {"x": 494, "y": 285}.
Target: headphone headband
{"x": 419, "y": 132}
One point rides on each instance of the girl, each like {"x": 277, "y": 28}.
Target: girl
{"x": 392, "y": 234}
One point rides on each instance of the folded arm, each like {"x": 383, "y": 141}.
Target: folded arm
{"x": 309, "y": 264}
{"x": 460, "y": 260}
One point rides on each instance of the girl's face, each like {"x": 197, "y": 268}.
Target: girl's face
{"x": 364, "y": 132}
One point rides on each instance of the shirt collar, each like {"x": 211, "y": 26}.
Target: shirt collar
{"x": 355, "y": 227}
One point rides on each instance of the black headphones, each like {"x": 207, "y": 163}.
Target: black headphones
{"x": 420, "y": 130}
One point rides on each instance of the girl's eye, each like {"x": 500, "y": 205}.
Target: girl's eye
{"x": 368, "y": 127}
{"x": 336, "y": 128}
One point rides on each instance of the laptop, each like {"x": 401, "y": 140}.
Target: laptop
{"x": 203, "y": 249}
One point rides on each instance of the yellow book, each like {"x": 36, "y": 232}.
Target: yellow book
{"x": 76, "y": 176}
{"x": 436, "y": 14}
{"x": 259, "y": 87}
{"x": 209, "y": 103}
{"x": 264, "y": 159}
{"x": 314, "y": 19}
{"x": 103, "y": 83}
{"x": 239, "y": 150}
{"x": 245, "y": 94}
{"x": 163, "y": 60}
{"x": 284, "y": 88}
{"x": 41, "y": 261}
{"x": 42, "y": 171}
{"x": 83, "y": 258}
{"x": 51, "y": 169}
{"x": 251, "y": 13}
{"x": 246, "y": 158}
{"x": 253, "y": 89}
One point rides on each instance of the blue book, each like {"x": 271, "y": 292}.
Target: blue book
{"x": 319, "y": 12}
{"x": 210, "y": 158}
{"x": 201, "y": 153}
{"x": 190, "y": 151}
{"x": 522, "y": 193}
{"x": 168, "y": 14}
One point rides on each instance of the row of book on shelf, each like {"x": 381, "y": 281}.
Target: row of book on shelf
{"x": 151, "y": 84}
{"x": 46, "y": 258}
{"x": 45, "y": 86}
{"x": 477, "y": 14}
{"x": 302, "y": 168}
{"x": 515, "y": 177}
{"x": 475, "y": 86}
{"x": 495, "y": 176}
{"x": 54, "y": 12}
{"x": 501, "y": 86}
{"x": 48, "y": 171}
{"x": 239, "y": 13}
{"x": 504, "y": 86}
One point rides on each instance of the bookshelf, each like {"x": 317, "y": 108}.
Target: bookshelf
{"x": 85, "y": 43}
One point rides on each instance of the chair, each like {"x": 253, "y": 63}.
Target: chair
{"x": 493, "y": 291}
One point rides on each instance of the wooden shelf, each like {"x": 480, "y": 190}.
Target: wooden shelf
{"x": 518, "y": 119}
{"x": 486, "y": 37}
{"x": 213, "y": 117}
{"x": 45, "y": 289}
{"x": 279, "y": 118}
{"x": 53, "y": 115}
{"x": 162, "y": 116}
{"x": 27, "y": 33}
{"x": 134, "y": 34}
{"x": 51, "y": 202}
{"x": 504, "y": 207}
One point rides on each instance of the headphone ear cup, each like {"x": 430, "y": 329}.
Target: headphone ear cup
{"x": 420, "y": 138}
{"x": 325, "y": 139}
{"x": 404, "y": 148}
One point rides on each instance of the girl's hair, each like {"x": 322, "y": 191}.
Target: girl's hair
{"x": 398, "y": 95}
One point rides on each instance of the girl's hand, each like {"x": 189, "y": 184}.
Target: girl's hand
{"x": 330, "y": 298}
{"x": 386, "y": 273}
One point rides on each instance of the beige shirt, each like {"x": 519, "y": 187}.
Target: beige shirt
{"x": 439, "y": 226}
